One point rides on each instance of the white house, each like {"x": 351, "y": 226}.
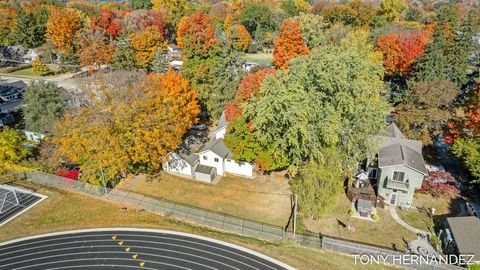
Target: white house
{"x": 30, "y": 56}
{"x": 249, "y": 65}
{"x": 213, "y": 159}
{"x": 34, "y": 136}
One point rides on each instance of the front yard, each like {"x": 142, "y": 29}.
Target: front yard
{"x": 265, "y": 199}
{"x": 384, "y": 232}
{"x": 419, "y": 216}
{"x": 66, "y": 211}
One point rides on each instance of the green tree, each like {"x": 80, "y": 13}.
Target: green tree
{"x": 318, "y": 184}
{"x": 333, "y": 98}
{"x": 312, "y": 27}
{"x": 468, "y": 150}
{"x": 257, "y": 16}
{"x": 124, "y": 56}
{"x": 161, "y": 63}
{"x": 30, "y": 28}
{"x": 12, "y": 150}
{"x": 228, "y": 73}
{"x": 141, "y": 4}
{"x": 432, "y": 65}
{"x": 392, "y": 10}
{"x": 462, "y": 48}
{"x": 44, "y": 104}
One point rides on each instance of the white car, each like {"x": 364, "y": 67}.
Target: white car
{"x": 472, "y": 209}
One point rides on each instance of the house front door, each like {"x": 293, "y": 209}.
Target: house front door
{"x": 393, "y": 199}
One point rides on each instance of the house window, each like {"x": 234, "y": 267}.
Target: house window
{"x": 205, "y": 158}
{"x": 229, "y": 160}
{"x": 215, "y": 159}
{"x": 372, "y": 174}
{"x": 399, "y": 176}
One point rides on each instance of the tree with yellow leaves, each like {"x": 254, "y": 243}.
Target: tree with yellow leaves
{"x": 62, "y": 25}
{"x": 12, "y": 150}
{"x": 130, "y": 121}
{"x": 240, "y": 37}
{"x": 146, "y": 45}
{"x": 173, "y": 9}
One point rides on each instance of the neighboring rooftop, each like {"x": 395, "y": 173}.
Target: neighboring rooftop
{"x": 396, "y": 149}
{"x": 466, "y": 232}
{"x": 190, "y": 159}
{"x": 204, "y": 169}
{"x": 222, "y": 122}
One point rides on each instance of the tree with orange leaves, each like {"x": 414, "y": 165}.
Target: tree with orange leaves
{"x": 7, "y": 25}
{"x": 248, "y": 88}
{"x": 146, "y": 45}
{"x": 400, "y": 50}
{"x": 289, "y": 44}
{"x": 196, "y": 35}
{"x": 132, "y": 121}
{"x": 62, "y": 26}
{"x": 240, "y": 37}
{"x": 94, "y": 49}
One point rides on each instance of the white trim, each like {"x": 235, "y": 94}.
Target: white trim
{"x": 42, "y": 197}
{"x": 265, "y": 257}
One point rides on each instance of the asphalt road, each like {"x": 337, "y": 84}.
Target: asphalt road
{"x": 126, "y": 249}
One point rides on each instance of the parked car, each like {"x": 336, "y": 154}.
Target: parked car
{"x": 199, "y": 126}
{"x": 472, "y": 209}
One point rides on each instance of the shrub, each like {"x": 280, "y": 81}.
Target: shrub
{"x": 39, "y": 67}
{"x": 437, "y": 189}
{"x": 352, "y": 213}
{"x": 434, "y": 241}
{"x": 376, "y": 217}
{"x": 441, "y": 177}
{"x": 13, "y": 69}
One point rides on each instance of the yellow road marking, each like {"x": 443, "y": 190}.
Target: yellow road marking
{"x": 135, "y": 256}
{"x": 127, "y": 249}
{"x": 120, "y": 243}
{"x": 142, "y": 264}
{"x": 114, "y": 237}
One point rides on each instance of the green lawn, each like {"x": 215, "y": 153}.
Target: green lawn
{"x": 265, "y": 199}
{"x": 66, "y": 211}
{"x": 261, "y": 58}
{"x": 385, "y": 232}
{"x": 29, "y": 72}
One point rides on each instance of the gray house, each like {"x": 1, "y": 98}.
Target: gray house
{"x": 400, "y": 169}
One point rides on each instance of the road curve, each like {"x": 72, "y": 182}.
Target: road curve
{"x": 127, "y": 248}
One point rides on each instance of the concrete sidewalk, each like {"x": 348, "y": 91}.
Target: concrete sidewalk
{"x": 395, "y": 216}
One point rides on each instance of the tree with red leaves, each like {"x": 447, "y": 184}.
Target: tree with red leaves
{"x": 196, "y": 35}
{"x": 289, "y": 44}
{"x": 138, "y": 20}
{"x": 469, "y": 125}
{"x": 400, "y": 50}
{"x": 109, "y": 21}
{"x": 249, "y": 87}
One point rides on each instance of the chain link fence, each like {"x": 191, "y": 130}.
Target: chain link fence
{"x": 63, "y": 183}
{"x": 225, "y": 222}
{"x": 201, "y": 216}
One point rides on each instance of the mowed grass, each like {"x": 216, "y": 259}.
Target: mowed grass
{"x": 419, "y": 217}
{"x": 265, "y": 199}
{"x": 28, "y": 72}
{"x": 66, "y": 211}
{"x": 385, "y": 232}
{"x": 261, "y": 58}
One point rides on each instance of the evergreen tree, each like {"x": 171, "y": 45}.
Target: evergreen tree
{"x": 161, "y": 63}
{"x": 462, "y": 48}
{"x": 124, "y": 57}
{"x": 432, "y": 65}
{"x": 30, "y": 28}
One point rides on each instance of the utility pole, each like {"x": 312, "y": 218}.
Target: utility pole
{"x": 295, "y": 216}
{"x": 103, "y": 180}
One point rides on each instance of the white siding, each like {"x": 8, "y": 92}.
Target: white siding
{"x": 220, "y": 134}
{"x": 208, "y": 159}
{"x": 178, "y": 165}
{"x": 240, "y": 168}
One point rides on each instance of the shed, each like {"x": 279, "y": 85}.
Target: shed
{"x": 364, "y": 207}
{"x": 205, "y": 173}
{"x": 466, "y": 235}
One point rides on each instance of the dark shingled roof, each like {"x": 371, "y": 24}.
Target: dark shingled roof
{"x": 466, "y": 232}
{"x": 398, "y": 150}
{"x": 204, "y": 169}
{"x": 217, "y": 147}
{"x": 222, "y": 122}
{"x": 190, "y": 159}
